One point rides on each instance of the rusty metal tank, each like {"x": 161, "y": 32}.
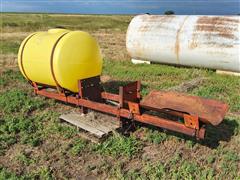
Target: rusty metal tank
{"x": 200, "y": 41}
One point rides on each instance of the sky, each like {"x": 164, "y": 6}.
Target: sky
{"x": 201, "y": 7}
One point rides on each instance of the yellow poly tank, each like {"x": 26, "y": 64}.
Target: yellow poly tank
{"x": 60, "y": 57}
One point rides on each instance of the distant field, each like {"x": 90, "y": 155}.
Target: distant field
{"x": 34, "y": 144}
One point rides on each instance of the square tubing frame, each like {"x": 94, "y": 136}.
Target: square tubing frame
{"x": 92, "y": 96}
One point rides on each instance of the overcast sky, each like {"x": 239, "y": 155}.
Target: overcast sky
{"x": 210, "y": 7}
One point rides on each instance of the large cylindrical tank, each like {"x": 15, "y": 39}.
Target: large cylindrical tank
{"x": 201, "y": 41}
{"x": 60, "y": 57}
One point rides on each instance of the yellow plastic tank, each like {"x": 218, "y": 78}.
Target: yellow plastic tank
{"x": 60, "y": 57}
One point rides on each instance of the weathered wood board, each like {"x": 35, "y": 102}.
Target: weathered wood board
{"x": 95, "y": 123}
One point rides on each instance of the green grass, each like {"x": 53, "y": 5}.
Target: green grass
{"x": 20, "y": 102}
{"x": 8, "y": 47}
{"x": 6, "y": 174}
{"x": 182, "y": 170}
{"x": 10, "y": 77}
{"x": 78, "y": 146}
{"x": 24, "y": 159}
{"x": 41, "y": 173}
{"x": 119, "y": 145}
{"x": 175, "y": 168}
{"x": 155, "y": 136}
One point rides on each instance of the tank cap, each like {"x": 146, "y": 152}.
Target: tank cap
{"x": 57, "y": 30}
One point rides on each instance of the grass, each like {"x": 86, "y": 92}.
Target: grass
{"x": 24, "y": 159}
{"x": 9, "y": 77}
{"x": 36, "y": 22}
{"x": 8, "y": 47}
{"x": 155, "y": 137}
{"x": 41, "y": 173}
{"x": 181, "y": 170}
{"x": 118, "y": 145}
{"x": 78, "y": 146}
{"x": 35, "y": 145}
{"x": 19, "y": 102}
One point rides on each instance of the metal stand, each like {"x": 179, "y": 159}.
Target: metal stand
{"x": 195, "y": 111}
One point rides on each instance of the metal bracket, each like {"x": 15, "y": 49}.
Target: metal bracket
{"x": 90, "y": 89}
{"x": 134, "y": 107}
{"x": 191, "y": 121}
{"x": 35, "y": 87}
{"x": 130, "y": 92}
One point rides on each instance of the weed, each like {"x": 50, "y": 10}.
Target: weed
{"x": 116, "y": 171}
{"x": 119, "y": 145}
{"x": 7, "y": 47}
{"x": 42, "y": 173}
{"x": 175, "y": 159}
{"x": 77, "y": 146}
{"x": 5, "y": 174}
{"x": 207, "y": 173}
{"x": 66, "y": 131}
{"x": 28, "y": 130}
{"x": 34, "y": 139}
{"x": 18, "y": 101}
{"x": 155, "y": 172}
{"x": 231, "y": 156}
{"x": 133, "y": 174}
{"x": 186, "y": 170}
{"x": 156, "y": 137}
{"x": 190, "y": 143}
{"x": 24, "y": 159}
{"x": 211, "y": 159}
{"x": 10, "y": 77}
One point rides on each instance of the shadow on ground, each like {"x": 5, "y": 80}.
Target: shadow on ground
{"x": 214, "y": 135}
{"x": 222, "y": 132}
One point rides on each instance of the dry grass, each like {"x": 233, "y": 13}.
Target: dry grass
{"x": 113, "y": 44}
{"x": 8, "y": 60}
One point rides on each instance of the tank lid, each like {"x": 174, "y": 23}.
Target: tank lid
{"x": 57, "y": 30}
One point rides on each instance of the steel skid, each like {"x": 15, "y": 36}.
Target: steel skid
{"x": 190, "y": 113}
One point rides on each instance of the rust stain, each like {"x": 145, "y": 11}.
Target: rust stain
{"x": 145, "y": 27}
{"x": 225, "y": 31}
{"x": 217, "y": 20}
{"x": 193, "y": 43}
{"x": 224, "y": 27}
{"x": 177, "y": 44}
{"x": 160, "y": 18}
{"x": 213, "y": 25}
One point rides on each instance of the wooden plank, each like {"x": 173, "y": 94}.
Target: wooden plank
{"x": 95, "y": 123}
{"x": 75, "y": 119}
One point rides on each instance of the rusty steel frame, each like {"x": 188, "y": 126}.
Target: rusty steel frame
{"x": 92, "y": 96}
